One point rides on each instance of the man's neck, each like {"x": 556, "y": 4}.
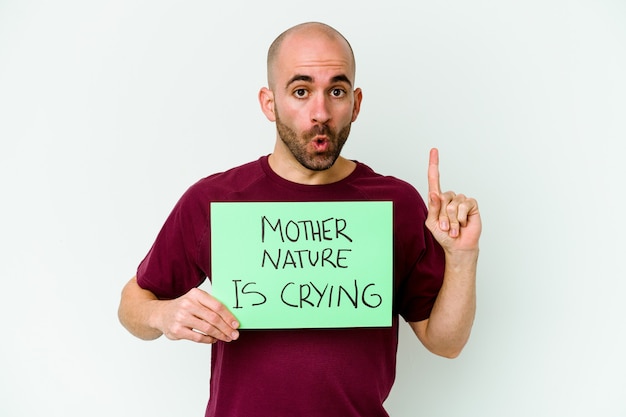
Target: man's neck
{"x": 291, "y": 170}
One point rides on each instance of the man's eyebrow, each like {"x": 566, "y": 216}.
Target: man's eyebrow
{"x": 308, "y": 79}
{"x": 300, "y": 77}
{"x": 342, "y": 78}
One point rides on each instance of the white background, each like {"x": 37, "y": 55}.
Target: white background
{"x": 110, "y": 110}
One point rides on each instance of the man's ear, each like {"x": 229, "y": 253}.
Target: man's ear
{"x": 266, "y": 100}
{"x": 358, "y": 96}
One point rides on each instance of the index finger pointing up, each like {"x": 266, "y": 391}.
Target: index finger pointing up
{"x": 433, "y": 172}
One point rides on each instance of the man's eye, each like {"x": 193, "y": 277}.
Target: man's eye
{"x": 300, "y": 93}
{"x": 337, "y": 92}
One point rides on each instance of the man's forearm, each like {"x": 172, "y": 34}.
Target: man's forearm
{"x": 448, "y": 329}
{"x": 136, "y": 307}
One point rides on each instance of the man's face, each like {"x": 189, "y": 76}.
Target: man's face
{"x": 316, "y": 149}
{"x": 314, "y": 101}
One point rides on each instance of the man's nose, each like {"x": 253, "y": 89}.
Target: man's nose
{"x": 320, "y": 111}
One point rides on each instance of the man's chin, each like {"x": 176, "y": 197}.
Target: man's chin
{"x": 319, "y": 165}
{"x": 318, "y": 168}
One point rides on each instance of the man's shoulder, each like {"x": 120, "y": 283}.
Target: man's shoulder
{"x": 376, "y": 183}
{"x": 232, "y": 178}
{"x": 237, "y": 172}
{"x": 220, "y": 186}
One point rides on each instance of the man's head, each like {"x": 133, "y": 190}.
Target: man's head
{"x": 311, "y": 95}
{"x": 309, "y": 30}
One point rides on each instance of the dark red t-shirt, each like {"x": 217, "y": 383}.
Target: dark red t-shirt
{"x": 325, "y": 373}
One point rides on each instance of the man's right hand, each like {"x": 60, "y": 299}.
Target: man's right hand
{"x": 195, "y": 316}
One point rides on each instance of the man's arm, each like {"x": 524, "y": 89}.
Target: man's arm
{"x": 454, "y": 221}
{"x": 448, "y": 329}
{"x": 195, "y": 316}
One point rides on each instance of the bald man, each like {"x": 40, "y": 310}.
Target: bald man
{"x": 312, "y": 99}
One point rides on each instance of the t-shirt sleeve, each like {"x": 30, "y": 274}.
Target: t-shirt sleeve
{"x": 420, "y": 261}
{"x": 176, "y": 262}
